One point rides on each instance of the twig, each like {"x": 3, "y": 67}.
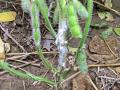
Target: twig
{"x": 24, "y": 85}
{"x": 111, "y": 69}
{"x": 9, "y": 2}
{"x": 50, "y": 52}
{"x": 69, "y": 78}
{"x": 91, "y": 66}
{"x": 17, "y": 57}
{"x": 104, "y": 65}
{"x": 12, "y": 38}
{"x": 116, "y": 12}
{"x": 111, "y": 78}
{"x": 95, "y": 87}
{"x": 110, "y": 48}
{"x": 25, "y": 62}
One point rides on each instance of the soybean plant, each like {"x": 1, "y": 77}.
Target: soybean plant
{"x": 35, "y": 23}
{"x": 81, "y": 54}
{"x": 37, "y": 36}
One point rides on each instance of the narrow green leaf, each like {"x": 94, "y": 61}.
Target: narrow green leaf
{"x": 105, "y": 34}
{"x": 117, "y": 31}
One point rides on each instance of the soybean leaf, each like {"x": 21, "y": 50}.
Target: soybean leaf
{"x": 107, "y": 33}
{"x": 117, "y": 31}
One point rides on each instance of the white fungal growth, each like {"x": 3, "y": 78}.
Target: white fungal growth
{"x": 25, "y": 4}
{"x": 62, "y": 43}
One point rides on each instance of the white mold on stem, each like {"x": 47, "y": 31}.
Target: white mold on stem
{"x": 62, "y": 43}
{"x": 25, "y": 4}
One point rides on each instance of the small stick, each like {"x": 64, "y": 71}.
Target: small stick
{"x": 12, "y": 39}
{"x": 3, "y": 1}
{"x": 110, "y": 48}
{"x": 16, "y": 57}
{"x": 69, "y": 78}
{"x": 104, "y": 65}
{"x": 25, "y": 62}
{"x": 95, "y": 87}
{"x": 51, "y": 52}
{"x": 116, "y": 12}
{"x": 91, "y": 66}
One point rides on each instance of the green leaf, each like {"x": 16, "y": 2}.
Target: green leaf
{"x": 117, "y": 31}
{"x": 100, "y": 25}
{"x": 106, "y": 15}
{"x": 107, "y": 33}
{"x": 102, "y": 15}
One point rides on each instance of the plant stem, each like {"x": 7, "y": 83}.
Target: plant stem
{"x": 37, "y": 36}
{"x": 87, "y": 25}
{"x": 81, "y": 55}
{"x": 42, "y": 6}
{"x": 26, "y": 75}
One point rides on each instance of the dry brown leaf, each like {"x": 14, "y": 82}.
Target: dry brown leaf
{"x": 99, "y": 52}
{"x": 7, "y": 16}
{"x": 4, "y": 47}
{"x": 117, "y": 69}
{"x": 47, "y": 43}
{"x": 81, "y": 82}
{"x": 108, "y": 3}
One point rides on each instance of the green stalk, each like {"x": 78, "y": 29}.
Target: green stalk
{"x": 37, "y": 36}
{"x": 81, "y": 55}
{"x": 26, "y": 75}
{"x": 88, "y": 22}
{"x": 42, "y": 6}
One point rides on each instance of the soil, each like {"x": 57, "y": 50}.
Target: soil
{"x": 105, "y": 78}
